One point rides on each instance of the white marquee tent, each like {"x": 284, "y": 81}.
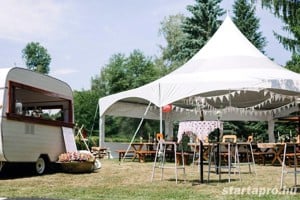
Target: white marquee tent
{"x": 228, "y": 75}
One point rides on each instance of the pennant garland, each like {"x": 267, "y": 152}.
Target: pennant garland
{"x": 201, "y": 103}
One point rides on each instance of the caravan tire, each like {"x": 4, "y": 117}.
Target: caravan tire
{"x": 40, "y": 166}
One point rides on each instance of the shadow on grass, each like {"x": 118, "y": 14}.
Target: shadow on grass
{"x": 212, "y": 181}
{"x": 195, "y": 182}
{"x": 24, "y": 170}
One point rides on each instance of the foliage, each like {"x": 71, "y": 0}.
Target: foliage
{"x": 183, "y": 146}
{"x": 92, "y": 141}
{"x": 247, "y": 23}
{"x": 286, "y": 128}
{"x": 86, "y": 109}
{"x": 258, "y": 130}
{"x": 173, "y": 34}
{"x": 289, "y": 12}
{"x": 186, "y": 35}
{"x": 123, "y": 128}
{"x": 199, "y": 27}
{"x": 36, "y": 57}
{"x": 120, "y": 74}
{"x": 124, "y": 73}
{"x": 243, "y": 129}
{"x": 294, "y": 64}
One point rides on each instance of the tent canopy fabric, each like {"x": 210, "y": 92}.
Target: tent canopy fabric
{"x": 227, "y": 75}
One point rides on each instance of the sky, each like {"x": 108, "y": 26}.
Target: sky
{"x": 81, "y": 36}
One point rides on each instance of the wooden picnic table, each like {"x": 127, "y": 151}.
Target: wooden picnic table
{"x": 276, "y": 148}
{"x": 141, "y": 149}
{"x": 99, "y": 152}
{"x": 137, "y": 150}
{"x": 122, "y": 152}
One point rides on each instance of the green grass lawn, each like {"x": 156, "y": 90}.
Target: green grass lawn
{"x": 132, "y": 180}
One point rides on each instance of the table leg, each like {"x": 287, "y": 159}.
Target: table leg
{"x": 277, "y": 155}
{"x": 201, "y": 162}
{"x": 136, "y": 148}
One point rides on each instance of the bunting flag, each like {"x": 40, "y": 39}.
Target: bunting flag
{"x": 207, "y": 104}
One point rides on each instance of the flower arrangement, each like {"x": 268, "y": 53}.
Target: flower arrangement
{"x": 76, "y": 156}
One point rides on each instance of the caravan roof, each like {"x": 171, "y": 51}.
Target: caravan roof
{"x": 35, "y": 80}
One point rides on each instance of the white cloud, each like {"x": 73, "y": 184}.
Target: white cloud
{"x": 30, "y": 19}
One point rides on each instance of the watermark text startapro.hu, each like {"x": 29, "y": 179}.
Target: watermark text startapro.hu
{"x": 259, "y": 191}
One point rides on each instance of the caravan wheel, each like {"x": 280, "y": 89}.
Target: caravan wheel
{"x": 40, "y": 165}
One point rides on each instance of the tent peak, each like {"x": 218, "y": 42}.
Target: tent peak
{"x": 228, "y": 40}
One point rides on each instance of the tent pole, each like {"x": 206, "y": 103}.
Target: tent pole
{"x": 298, "y": 131}
{"x": 271, "y": 125}
{"x": 138, "y": 128}
{"x": 298, "y": 104}
{"x": 160, "y": 110}
{"x": 160, "y": 120}
{"x": 92, "y": 128}
{"x": 101, "y": 130}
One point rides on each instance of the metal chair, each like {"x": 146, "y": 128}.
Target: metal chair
{"x": 197, "y": 151}
{"x": 290, "y": 152}
{"x": 250, "y": 138}
{"x": 222, "y": 156}
{"x": 160, "y": 159}
{"x": 229, "y": 138}
{"x": 227, "y": 155}
{"x": 244, "y": 156}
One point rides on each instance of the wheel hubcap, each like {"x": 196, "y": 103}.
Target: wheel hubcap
{"x": 40, "y": 166}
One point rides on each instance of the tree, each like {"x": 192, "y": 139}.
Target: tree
{"x": 247, "y": 23}
{"x": 120, "y": 74}
{"x": 36, "y": 57}
{"x": 294, "y": 64}
{"x": 199, "y": 28}
{"x": 85, "y": 109}
{"x": 289, "y": 12}
{"x": 124, "y": 73}
{"x": 172, "y": 32}
{"x": 244, "y": 18}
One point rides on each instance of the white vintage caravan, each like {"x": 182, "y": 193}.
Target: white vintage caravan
{"x": 36, "y": 117}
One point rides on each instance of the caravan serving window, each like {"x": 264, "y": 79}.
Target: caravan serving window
{"x": 37, "y": 105}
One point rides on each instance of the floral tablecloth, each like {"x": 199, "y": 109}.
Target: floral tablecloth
{"x": 199, "y": 128}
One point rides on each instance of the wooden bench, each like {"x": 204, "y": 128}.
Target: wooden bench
{"x": 99, "y": 152}
{"x": 260, "y": 157}
{"x": 143, "y": 153}
{"x": 261, "y": 152}
{"x": 290, "y": 159}
{"x": 186, "y": 156}
{"x": 122, "y": 152}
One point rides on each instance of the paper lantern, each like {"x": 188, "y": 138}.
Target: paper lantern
{"x": 167, "y": 108}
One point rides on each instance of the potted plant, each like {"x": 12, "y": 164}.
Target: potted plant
{"x": 77, "y": 162}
